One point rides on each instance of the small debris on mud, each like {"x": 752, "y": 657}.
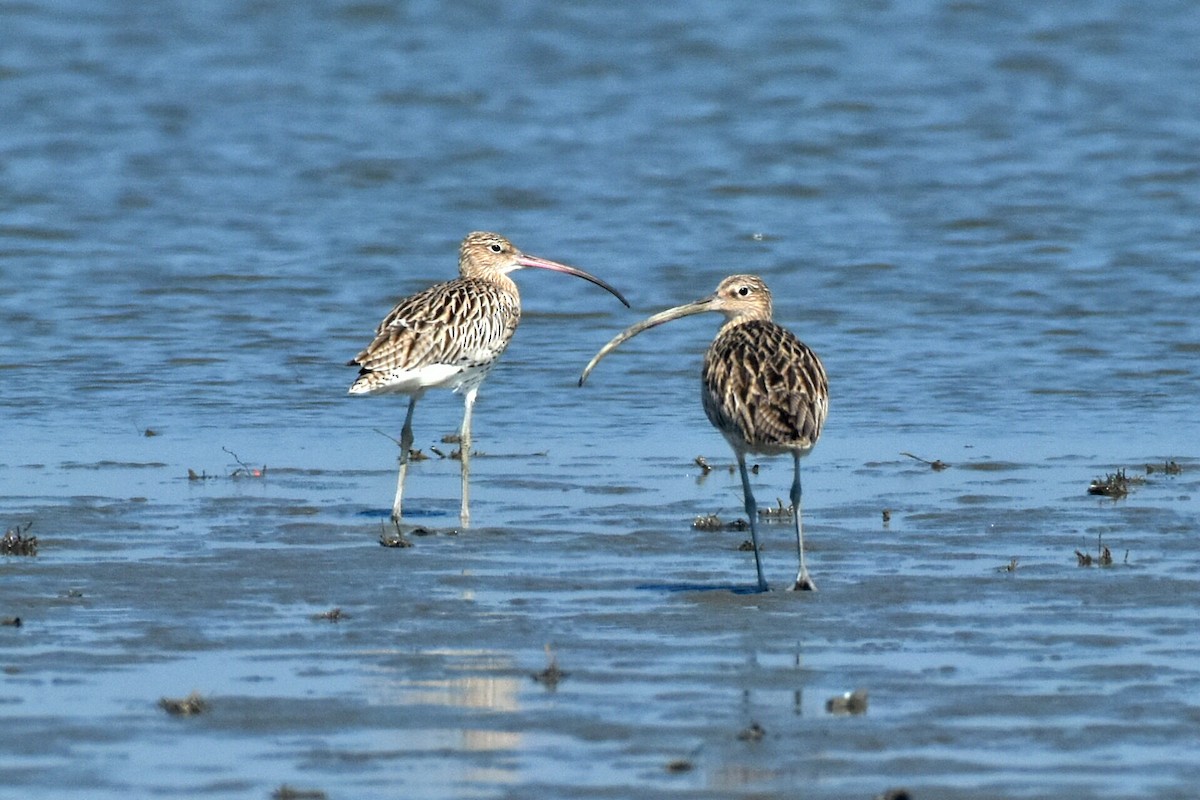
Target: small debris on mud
{"x": 707, "y": 466}
{"x": 849, "y": 703}
{"x": 453, "y": 455}
{"x": 184, "y": 707}
{"x": 711, "y": 522}
{"x": 551, "y": 675}
{"x": 286, "y": 792}
{"x": 780, "y": 513}
{"x": 753, "y": 733}
{"x": 16, "y": 543}
{"x": 332, "y": 615}
{"x": 937, "y": 465}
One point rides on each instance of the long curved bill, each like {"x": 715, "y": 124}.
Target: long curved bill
{"x": 526, "y": 260}
{"x": 686, "y": 310}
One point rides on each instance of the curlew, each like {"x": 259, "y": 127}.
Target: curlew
{"x": 762, "y": 388}
{"x": 449, "y": 336}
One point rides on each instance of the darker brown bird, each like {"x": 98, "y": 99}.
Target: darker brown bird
{"x": 761, "y": 387}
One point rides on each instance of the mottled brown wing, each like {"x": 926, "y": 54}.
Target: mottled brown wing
{"x": 461, "y": 322}
{"x": 765, "y": 387}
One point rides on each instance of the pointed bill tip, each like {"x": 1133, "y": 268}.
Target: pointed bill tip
{"x": 527, "y": 261}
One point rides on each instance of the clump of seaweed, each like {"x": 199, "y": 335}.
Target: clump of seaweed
{"x": 552, "y": 674}
{"x": 752, "y": 733}
{"x": 286, "y": 792}
{"x": 1102, "y": 558}
{"x": 848, "y": 703}
{"x": 712, "y": 522}
{"x": 16, "y": 543}
{"x": 777, "y": 513}
{"x": 393, "y": 538}
{"x": 1114, "y": 484}
{"x": 184, "y": 706}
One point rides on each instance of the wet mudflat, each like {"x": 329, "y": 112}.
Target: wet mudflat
{"x": 982, "y": 217}
{"x": 426, "y": 677}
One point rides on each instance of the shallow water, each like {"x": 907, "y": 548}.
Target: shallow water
{"x": 982, "y": 216}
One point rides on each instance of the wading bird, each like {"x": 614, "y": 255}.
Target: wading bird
{"x": 762, "y": 388}
{"x": 449, "y": 336}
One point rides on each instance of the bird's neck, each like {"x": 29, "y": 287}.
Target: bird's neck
{"x": 734, "y": 322}
{"x": 498, "y": 279}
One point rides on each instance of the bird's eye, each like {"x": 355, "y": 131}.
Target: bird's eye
{"x": 495, "y": 247}
{"x": 744, "y": 290}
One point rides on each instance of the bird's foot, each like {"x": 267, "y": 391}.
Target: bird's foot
{"x": 803, "y": 583}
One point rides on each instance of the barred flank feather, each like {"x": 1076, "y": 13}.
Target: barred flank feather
{"x": 464, "y": 324}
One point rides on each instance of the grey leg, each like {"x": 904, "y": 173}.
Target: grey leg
{"x": 803, "y": 581}
{"x": 406, "y": 441}
{"x": 752, "y": 513}
{"x": 464, "y": 438}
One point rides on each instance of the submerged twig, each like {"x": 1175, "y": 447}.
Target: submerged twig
{"x": 936, "y": 465}
{"x": 244, "y": 470}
